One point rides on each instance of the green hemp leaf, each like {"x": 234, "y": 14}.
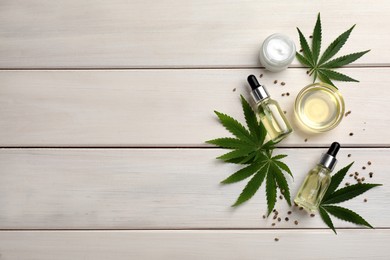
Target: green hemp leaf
{"x": 333, "y": 196}
{"x": 248, "y": 149}
{"x": 323, "y": 67}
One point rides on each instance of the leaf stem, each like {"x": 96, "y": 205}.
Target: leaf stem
{"x": 312, "y": 71}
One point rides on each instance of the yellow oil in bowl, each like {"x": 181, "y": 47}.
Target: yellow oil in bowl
{"x": 319, "y": 107}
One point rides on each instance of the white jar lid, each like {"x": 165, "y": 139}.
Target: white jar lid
{"x": 278, "y": 50}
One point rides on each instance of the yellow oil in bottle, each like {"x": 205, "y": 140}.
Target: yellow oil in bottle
{"x": 269, "y": 111}
{"x": 273, "y": 119}
{"x": 317, "y": 181}
{"x": 313, "y": 188}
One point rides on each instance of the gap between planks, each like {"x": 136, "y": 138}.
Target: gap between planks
{"x": 183, "y": 229}
{"x": 186, "y": 147}
{"x": 358, "y": 66}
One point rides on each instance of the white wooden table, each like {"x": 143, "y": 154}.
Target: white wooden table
{"x": 105, "y": 107}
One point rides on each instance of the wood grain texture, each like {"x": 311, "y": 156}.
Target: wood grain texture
{"x": 231, "y": 244}
{"x": 202, "y": 33}
{"x": 169, "y": 107}
{"x": 160, "y": 189}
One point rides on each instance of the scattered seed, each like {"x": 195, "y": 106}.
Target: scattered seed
{"x": 347, "y": 113}
{"x": 371, "y": 173}
{"x": 276, "y": 239}
{"x": 305, "y": 139}
{"x": 273, "y": 210}
{"x": 264, "y": 216}
{"x": 307, "y": 72}
{"x": 300, "y": 50}
{"x": 312, "y": 215}
{"x": 261, "y": 75}
{"x": 300, "y": 208}
{"x": 363, "y": 178}
{"x": 281, "y": 197}
{"x": 364, "y": 167}
{"x": 350, "y": 134}
{"x": 275, "y": 217}
{"x": 351, "y": 175}
{"x": 296, "y": 222}
{"x": 355, "y": 177}
{"x": 359, "y": 180}
{"x": 347, "y": 184}
{"x": 282, "y": 191}
{"x": 311, "y": 36}
{"x": 287, "y": 94}
{"x": 286, "y": 219}
{"x": 365, "y": 200}
{"x": 289, "y": 212}
{"x": 273, "y": 224}
{"x": 369, "y": 162}
{"x": 285, "y": 112}
{"x": 282, "y": 83}
{"x": 295, "y": 204}
{"x": 283, "y": 94}
{"x": 234, "y": 90}
{"x": 275, "y": 81}
{"x": 356, "y": 173}
{"x": 276, "y": 212}
{"x": 279, "y": 219}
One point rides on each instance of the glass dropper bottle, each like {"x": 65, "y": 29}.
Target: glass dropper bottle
{"x": 317, "y": 181}
{"x": 269, "y": 112}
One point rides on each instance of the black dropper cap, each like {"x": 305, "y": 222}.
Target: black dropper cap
{"x": 328, "y": 159}
{"x": 252, "y": 80}
{"x": 259, "y": 93}
{"x": 334, "y": 149}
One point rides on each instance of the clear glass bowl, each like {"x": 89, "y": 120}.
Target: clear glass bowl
{"x": 319, "y": 107}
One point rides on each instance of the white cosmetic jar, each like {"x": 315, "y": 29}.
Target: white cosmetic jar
{"x": 277, "y": 52}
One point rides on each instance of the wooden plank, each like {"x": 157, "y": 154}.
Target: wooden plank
{"x": 202, "y": 33}
{"x": 169, "y": 107}
{"x": 184, "y": 244}
{"x": 160, "y": 189}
